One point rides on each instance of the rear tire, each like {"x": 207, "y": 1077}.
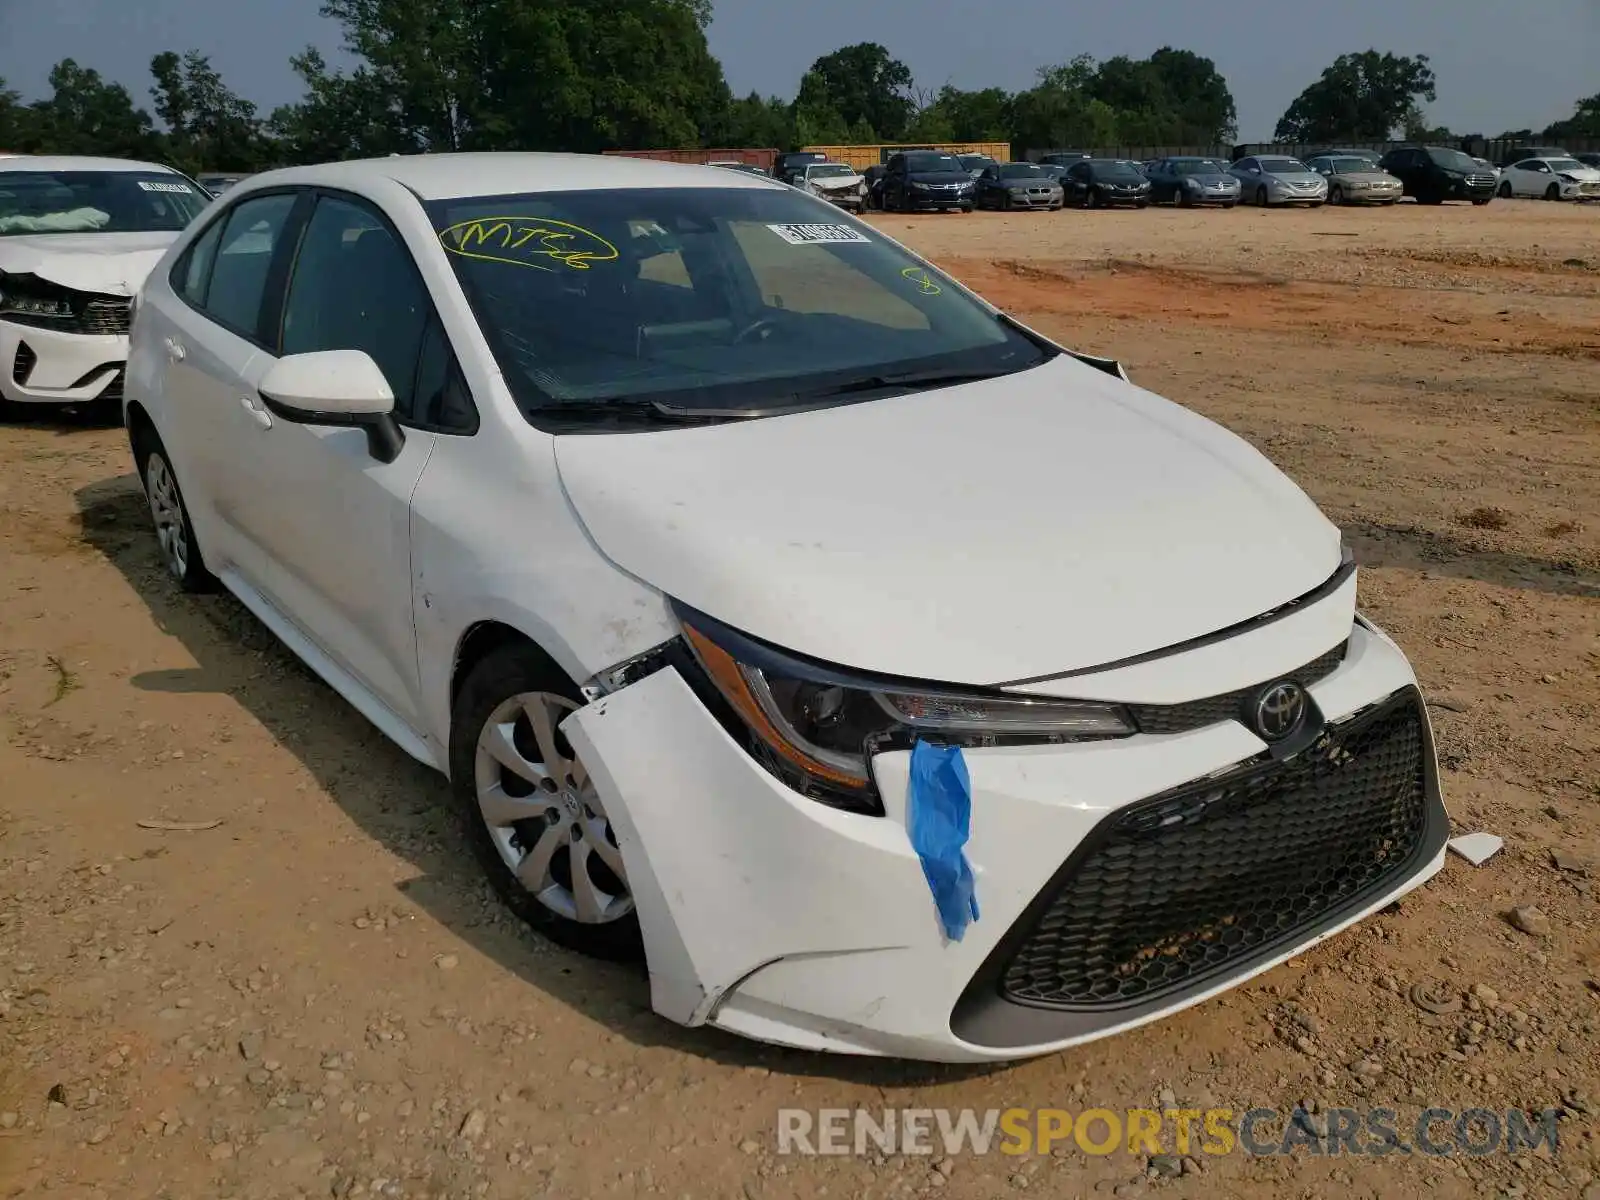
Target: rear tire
{"x": 564, "y": 828}
{"x": 169, "y": 513}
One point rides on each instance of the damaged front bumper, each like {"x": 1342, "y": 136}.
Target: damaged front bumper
{"x": 773, "y": 916}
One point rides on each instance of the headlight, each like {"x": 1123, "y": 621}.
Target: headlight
{"x": 861, "y": 190}
{"x": 1569, "y": 179}
{"x": 816, "y": 727}
{"x": 921, "y": 187}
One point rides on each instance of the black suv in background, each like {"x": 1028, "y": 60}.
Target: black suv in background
{"x": 791, "y": 166}
{"x": 1434, "y": 174}
{"x": 918, "y": 180}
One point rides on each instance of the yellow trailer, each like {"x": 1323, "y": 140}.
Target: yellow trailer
{"x": 862, "y": 157}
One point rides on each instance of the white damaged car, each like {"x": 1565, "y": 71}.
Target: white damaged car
{"x": 837, "y": 183}
{"x": 894, "y": 679}
{"x": 77, "y": 237}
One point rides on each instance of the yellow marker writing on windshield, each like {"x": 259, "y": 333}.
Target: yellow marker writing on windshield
{"x": 923, "y": 280}
{"x": 527, "y": 242}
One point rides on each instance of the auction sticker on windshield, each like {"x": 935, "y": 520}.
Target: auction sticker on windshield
{"x": 181, "y": 188}
{"x": 808, "y": 235}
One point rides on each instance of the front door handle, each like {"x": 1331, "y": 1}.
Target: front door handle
{"x": 261, "y": 416}
{"x": 175, "y": 350}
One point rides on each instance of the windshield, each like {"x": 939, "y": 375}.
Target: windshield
{"x": 1020, "y": 171}
{"x": 705, "y": 298}
{"x": 1110, "y": 168}
{"x": 1283, "y": 166}
{"x": 1565, "y": 164}
{"x": 1198, "y": 166}
{"x": 976, "y": 162}
{"x": 929, "y": 163}
{"x": 829, "y": 171}
{"x": 1453, "y": 160}
{"x": 34, "y": 202}
{"x": 1349, "y": 166}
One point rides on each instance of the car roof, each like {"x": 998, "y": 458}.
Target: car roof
{"x": 451, "y": 176}
{"x": 74, "y": 162}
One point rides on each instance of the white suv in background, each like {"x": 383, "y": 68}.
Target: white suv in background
{"x": 677, "y": 519}
{"x": 77, "y": 237}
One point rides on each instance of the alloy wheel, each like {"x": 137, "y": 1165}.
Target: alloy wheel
{"x": 166, "y": 511}
{"x": 543, "y": 813}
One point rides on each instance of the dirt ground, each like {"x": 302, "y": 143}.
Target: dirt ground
{"x": 316, "y": 996}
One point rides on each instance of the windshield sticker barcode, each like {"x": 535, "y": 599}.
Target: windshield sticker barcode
{"x": 809, "y": 235}
{"x": 181, "y": 188}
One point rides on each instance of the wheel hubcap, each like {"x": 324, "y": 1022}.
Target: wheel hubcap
{"x": 167, "y": 512}
{"x": 544, "y": 815}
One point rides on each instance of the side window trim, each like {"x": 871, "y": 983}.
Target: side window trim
{"x": 305, "y": 210}
{"x": 289, "y": 234}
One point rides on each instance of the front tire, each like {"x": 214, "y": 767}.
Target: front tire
{"x": 1261, "y": 198}
{"x": 1504, "y": 190}
{"x": 530, "y": 808}
{"x": 169, "y": 514}
{"x": 1337, "y": 195}
{"x": 1553, "y": 192}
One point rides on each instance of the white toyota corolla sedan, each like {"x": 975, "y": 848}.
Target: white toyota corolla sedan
{"x": 894, "y": 679}
{"x": 77, "y": 237}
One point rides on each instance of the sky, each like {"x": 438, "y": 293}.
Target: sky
{"x": 1494, "y": 73}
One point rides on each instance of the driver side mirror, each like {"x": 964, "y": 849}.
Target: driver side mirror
{"x": 340, "y": 388}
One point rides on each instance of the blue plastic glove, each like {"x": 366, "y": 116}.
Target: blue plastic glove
{"x": 938, "y": 818}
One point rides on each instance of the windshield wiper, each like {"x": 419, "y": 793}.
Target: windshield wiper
{"x": 635, "y": 412}
{"x": 825, "y": 397}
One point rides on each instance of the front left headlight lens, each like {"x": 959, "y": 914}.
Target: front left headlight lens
{"x": 817, "y": 727}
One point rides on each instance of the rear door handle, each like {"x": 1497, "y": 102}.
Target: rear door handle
{"x": 260, "y": 415}
{"x": 175, "y": 350}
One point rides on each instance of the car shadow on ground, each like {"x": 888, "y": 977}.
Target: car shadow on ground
{"x": 407, "y": 807}
{"x": 65, "y": 420}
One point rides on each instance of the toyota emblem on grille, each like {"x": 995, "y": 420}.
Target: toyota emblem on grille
{"x": 1279, "y": 709}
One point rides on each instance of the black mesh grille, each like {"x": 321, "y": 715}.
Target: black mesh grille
{"x": 1196, "y": 714}
{"x": 1178, "y": 887}
{"x": 112, "y": 390}
{"x": 105, "y": 315}
{"x": 22, "y": 365}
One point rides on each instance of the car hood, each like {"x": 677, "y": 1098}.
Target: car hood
{"x": 938, "y": 177}
{"x": 1042, "y": 522}
{"x": 1210, "y": 177}
{"x": 110, "y": 263}
{"x": 1297, "y": 177}
{"x": 832, "y": 183}
{"x": 1123, "y": 181}
{"x": 1365, "y": 177}
{"x": 1585, "y": 174}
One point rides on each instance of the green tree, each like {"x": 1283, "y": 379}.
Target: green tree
{"x": 959, "y": 116}
{"x": 1583, "y": 123}
{"x": 1200, "y": 106}
{"x": 208, "y": 126}
{"x": 1061, "y": 110}
{"x": 86, "y": 115}
{"x": 865, "y": 86}
{"x": 756, "y": 122}
{"x": 15, "y": 120}
{"x": 341, "y": 117}
{"x": 1367, "y": 96}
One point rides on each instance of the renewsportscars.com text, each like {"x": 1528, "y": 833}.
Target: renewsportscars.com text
{"x": 1374, "y": 1132}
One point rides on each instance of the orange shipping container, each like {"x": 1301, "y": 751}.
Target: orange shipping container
{"x": 760, "y": 158}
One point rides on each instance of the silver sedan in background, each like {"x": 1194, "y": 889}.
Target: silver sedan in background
{"x": 1275, "y": 179}
{"x": 1356, "y": 180}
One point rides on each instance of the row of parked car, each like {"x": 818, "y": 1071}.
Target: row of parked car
{"x": 933, "y": 180}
